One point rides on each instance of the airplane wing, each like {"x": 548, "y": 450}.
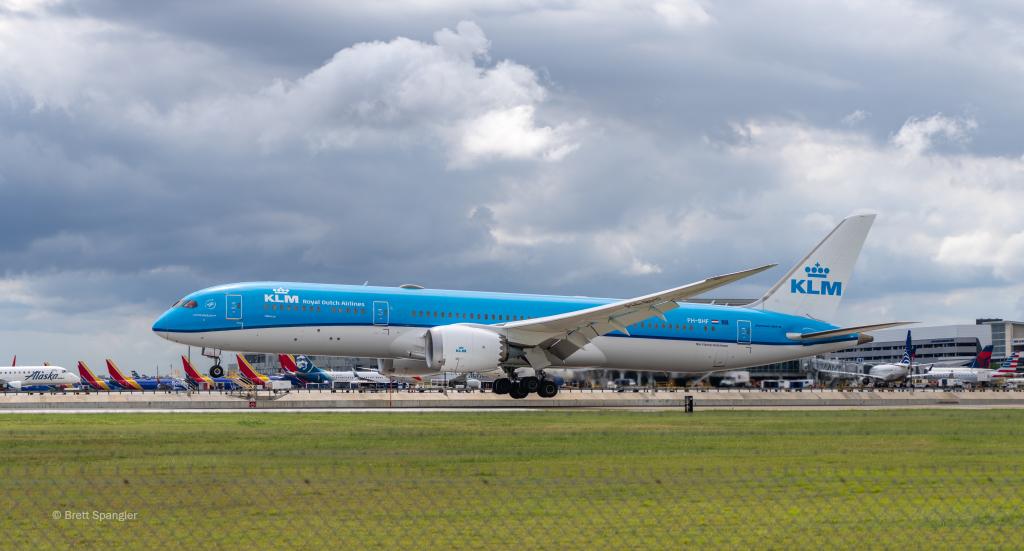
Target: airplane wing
{"x": 844, "y": 331}
{"x": 555, "y": 338}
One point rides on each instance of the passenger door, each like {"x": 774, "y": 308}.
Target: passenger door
{"x": 381, "y": 313}
{"x": 233, "y": 307}
{"x": 743, "y": 332}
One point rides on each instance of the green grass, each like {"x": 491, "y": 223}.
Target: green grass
{"x": 525, "y": 480}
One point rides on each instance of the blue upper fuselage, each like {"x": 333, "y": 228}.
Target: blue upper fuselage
{"x": 281, "y": 304}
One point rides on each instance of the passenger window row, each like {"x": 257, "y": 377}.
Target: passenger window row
{"x": 313, "y": 309}
{"x": 463, "y": 315}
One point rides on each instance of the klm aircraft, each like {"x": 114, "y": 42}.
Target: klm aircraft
{"x": 412, "y": 330}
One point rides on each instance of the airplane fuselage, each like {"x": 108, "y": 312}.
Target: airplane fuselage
{"x": 387, "y": 322}
{"x": 33, "y": 377}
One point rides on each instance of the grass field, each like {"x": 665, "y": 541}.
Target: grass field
{"x": 524, "y": 480}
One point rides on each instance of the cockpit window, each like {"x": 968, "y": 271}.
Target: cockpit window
{"x": 177, "y": 302}
{"x": 189, "y": 304}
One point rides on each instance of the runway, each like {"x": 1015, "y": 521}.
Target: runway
{"x": 354, "y": 402}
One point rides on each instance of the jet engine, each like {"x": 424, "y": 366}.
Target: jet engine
{"x": 404, "y": 368}
{"x": 464, "y": 349}
{"x": 13, "y": 385}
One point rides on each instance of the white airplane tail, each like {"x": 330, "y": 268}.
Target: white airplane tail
{"x": 815, "y": 286}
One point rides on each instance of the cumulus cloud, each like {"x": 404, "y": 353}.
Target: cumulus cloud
{"x": 609, "y": 147}
{"x": 918, "y": 135}
{"x": 402, "y": 93}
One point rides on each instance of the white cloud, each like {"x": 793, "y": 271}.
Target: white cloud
{"x": 681, "y": 13}
{"x": 856, "y": 117}
{"x": 512, "y": 134}
{"x": 917, "y": 135}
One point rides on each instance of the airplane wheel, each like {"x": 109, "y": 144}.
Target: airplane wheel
{"x": 502, "y": 386}
{"x": 547, "y": 389}
{"x": 530, "y": 383}
{"x": 216, "y": 371}
{"x": 518, "y": 391}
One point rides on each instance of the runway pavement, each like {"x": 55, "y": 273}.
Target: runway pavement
{"x": 302, "y": 400}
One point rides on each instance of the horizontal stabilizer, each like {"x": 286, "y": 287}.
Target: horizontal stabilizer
{"x": 844, "y": 331}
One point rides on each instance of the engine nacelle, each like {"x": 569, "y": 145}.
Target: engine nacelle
{"x": 404, "y": 368}
{"x": 13, "y": 385}
{"x": 464, "y": 349}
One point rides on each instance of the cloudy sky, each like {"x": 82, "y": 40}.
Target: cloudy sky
{"x": 602, "y": 147}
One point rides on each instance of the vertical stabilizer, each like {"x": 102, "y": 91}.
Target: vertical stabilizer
{"x": 119, "y": 378}
{"x": 249, "y": 372}
{"x": 816, "y": 285}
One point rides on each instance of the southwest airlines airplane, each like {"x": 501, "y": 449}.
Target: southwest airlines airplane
{"x": 412, "y": 330}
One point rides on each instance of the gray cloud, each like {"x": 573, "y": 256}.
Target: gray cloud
{"x": 607, "y": 148}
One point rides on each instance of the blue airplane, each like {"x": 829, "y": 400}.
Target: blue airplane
{"x": 415, "y": 330}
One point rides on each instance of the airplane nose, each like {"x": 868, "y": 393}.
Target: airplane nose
{"x": 162, "y": 324}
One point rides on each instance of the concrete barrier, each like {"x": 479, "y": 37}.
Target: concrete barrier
{"x": 566, "y": 399}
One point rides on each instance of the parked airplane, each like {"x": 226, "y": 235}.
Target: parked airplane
{"x": 462, "y": 331}
{"x": 975, "y": 372}
{"x": 291, "y": 370}
{"x": 305, "y": 366}
{"x": 881, "y": 373}
{"x": 207, "y": 383}
{"x": 92, "y": 381}
{"x": 255, "y": 377}
{"x": 36, "y": 377}
{"x": 133, "y": 383}
{"x": 1011, "y": 373}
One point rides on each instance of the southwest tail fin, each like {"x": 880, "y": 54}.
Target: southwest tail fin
{"x": 116, "y": 374}
{"x": 90, "y": 379}
{"x": 983, "y": 360}
{"x": 287, "y": 362}
{"x": 815, "y": 286}
{"x": 192, "y": 374}
{"x": 249, "y": 373}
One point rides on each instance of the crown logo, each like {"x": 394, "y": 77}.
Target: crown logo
{"x": 281, "y": 291}
{"x": 817, "y": 271}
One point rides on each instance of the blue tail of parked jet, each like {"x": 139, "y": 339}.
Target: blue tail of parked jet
{"x": 908, "y": 352}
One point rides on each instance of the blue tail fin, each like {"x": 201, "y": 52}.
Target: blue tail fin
{"x": 305, "y": 365}
{"x": 908, "y": 351}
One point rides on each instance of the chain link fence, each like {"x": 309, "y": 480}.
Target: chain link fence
{"x": 366, "y": 507}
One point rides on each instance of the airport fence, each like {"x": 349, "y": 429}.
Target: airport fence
{"x": 365, "y": 506}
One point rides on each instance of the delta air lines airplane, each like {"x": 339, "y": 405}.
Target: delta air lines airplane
{"x": 417, "y": 331}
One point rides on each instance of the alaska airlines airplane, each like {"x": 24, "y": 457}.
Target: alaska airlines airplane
{"x": 305, "y": 367}
{"x": 415, "y": 330}
{"x": 39, "y": 377}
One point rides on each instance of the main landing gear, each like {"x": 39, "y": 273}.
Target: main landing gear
{"x": 520, "y": 388}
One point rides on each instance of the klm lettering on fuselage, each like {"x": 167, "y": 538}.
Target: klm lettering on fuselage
{"x": 816, "y": 283}
{"x": 281, "y": 296}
